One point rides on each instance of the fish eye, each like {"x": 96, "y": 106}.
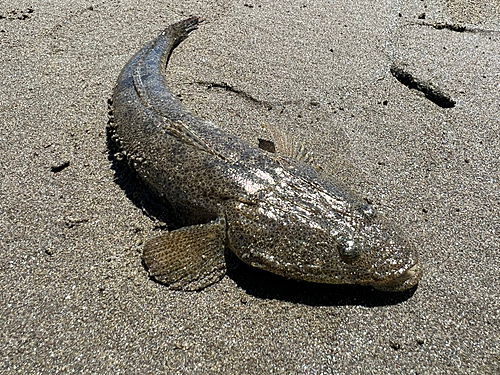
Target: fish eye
{"x": 348, "y": 250}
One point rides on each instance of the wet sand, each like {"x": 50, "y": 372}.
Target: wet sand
{"x": 75, "y": 296}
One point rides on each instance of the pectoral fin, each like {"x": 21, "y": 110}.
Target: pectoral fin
{"x": 190, "y": 258}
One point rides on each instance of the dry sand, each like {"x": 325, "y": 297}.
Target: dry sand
{"x": 74, "y": 294}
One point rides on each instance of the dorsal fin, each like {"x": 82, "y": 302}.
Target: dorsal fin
{"x": 285, "y": 145}
{"x": 181, "y": 131}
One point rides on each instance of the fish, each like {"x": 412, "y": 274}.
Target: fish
{"x": 274, "y": 212}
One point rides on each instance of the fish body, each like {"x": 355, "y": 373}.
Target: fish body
{"x": 273, "y": 212}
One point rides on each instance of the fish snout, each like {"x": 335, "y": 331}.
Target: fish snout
{"x": 407, "y": 280}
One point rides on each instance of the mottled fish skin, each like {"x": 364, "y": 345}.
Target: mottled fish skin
{"x": 273, "y": 212}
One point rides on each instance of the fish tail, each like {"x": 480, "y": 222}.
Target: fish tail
{"x": 181, "y": 30}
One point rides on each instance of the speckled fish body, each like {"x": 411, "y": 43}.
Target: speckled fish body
{"x": 273, "y": 212}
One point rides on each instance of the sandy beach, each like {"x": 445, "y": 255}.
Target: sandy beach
{"x": 399, "y": 100}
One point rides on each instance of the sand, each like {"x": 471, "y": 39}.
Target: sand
{"x": 75, "y": 296}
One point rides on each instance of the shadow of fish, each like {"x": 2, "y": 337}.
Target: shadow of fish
{"x": 273, "y": 212}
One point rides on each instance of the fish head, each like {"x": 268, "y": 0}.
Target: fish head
{"x": 380, "y": 255}
{"x": 354, "y": 247}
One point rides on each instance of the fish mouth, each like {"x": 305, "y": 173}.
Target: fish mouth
{"x": 406, "y": 280}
